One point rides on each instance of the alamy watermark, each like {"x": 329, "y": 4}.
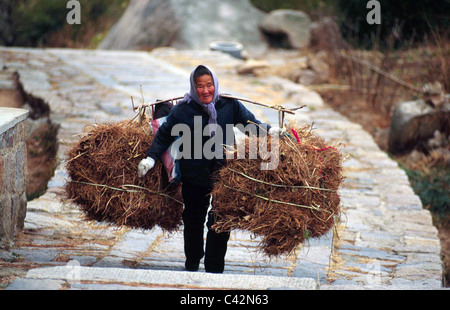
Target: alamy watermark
{"x": 374, "y": 15}
{"x": 74, "y": 15}
{"x": 373, "y": 277}
{"x": 190, "y": 145}
{"x": 73, "y": 272}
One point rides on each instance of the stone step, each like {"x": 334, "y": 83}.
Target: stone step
{"x": 79, "y": 277}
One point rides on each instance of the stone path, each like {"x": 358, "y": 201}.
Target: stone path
{"x": 386, "y": 239}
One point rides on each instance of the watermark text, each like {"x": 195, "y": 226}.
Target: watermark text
{"x": 374, "y": 15}
{"x": 191, "y": 145}
{"x": 74, "y": 15}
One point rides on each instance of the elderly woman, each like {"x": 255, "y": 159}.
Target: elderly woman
{"x": 202, "y": 102}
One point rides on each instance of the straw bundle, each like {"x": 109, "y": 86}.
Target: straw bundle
{"x": 103, "y": 179}
{"x": 286, "y": 205}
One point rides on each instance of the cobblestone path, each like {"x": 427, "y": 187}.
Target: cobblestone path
{"x": 386, "y": 240}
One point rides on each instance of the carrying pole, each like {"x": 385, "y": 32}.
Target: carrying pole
{"x": 279, "y": 108}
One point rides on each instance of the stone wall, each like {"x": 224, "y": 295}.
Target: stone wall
{"x": 13, "y": 201}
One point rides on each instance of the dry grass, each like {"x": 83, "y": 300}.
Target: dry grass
{"x": 297, "y": 200}
{"x": 103, "y": 179}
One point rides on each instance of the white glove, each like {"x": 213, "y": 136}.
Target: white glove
{"x": 145, "y": 165}
{"x": 277, "y": 130}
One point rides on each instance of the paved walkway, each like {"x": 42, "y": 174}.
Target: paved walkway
{"x": 385, "y": 241}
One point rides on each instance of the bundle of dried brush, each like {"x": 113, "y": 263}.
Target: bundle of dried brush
{"x": 104, "y": 183}
{"x": 286, "y": 205}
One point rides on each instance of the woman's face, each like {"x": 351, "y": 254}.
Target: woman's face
{"x": 204, "y": 86}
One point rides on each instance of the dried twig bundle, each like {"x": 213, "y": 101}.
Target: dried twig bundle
{"x": 103, "y": 179}
{"x": 286, "y": 205}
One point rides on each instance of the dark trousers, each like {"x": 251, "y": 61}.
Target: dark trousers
{"x": 196, "y": 202}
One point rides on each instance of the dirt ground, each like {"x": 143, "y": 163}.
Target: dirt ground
{"x": 444, "y": 236}
{"x": 41, "y": 159}
{"x": 10, "y": 98}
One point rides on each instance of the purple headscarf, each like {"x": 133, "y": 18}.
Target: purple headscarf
{"x": 209, "y": 108}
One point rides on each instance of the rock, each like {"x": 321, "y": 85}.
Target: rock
{"x": 145, "y": 24}
{"x": 252, "y": 66}
{"x": 313, "y": 70}
{"x": 35, "y": 284}
{"x": 185, "y": 24}
{"x": 434, "y": 94}
{"x": 325, "y": 35}
{"x": 438, "y": 140}
{"x": 308, "y": 77}
{"x": 415, "y": 122}
{"x": 6, "y": 256}
{"x": 317, "y": 63}
{"x": 295, "y": 25}
{"x": 290, "y": 68}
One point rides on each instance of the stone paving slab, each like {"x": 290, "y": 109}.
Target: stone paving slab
{"x": 385, "y": 239}
{"x": 74, "y": 276}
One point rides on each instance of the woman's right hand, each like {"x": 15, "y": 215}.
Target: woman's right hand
{"x": 145, "y": 165}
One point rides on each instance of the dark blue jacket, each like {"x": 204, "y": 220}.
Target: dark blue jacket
{"x": 195, "y": 169}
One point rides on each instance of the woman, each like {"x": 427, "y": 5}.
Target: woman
{"x": 202, "y": 102}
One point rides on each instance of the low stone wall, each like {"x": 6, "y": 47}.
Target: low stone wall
{"x": 13, "y": 200}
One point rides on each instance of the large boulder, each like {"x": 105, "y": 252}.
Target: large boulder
{"x": 186, "y": 24}
{"x": 415, "y": 122}
{"x": 326, "y": 35}
{"x": 293, "y": 25}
